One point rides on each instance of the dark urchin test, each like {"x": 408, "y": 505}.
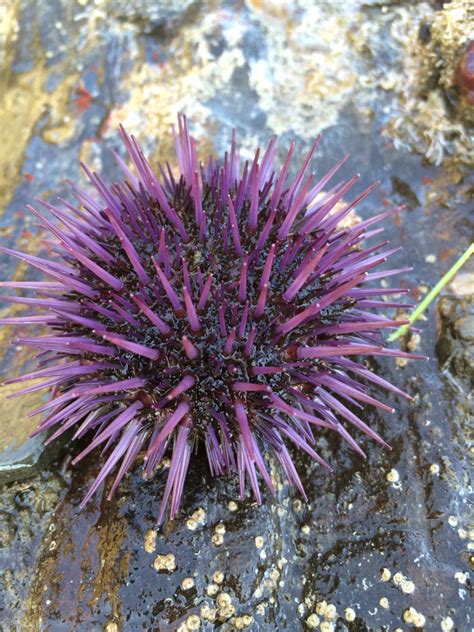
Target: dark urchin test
{"x": 225, "y": 305}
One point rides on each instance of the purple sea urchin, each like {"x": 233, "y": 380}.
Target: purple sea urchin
{"x": 223, "y": 306}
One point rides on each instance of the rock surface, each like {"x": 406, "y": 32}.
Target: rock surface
{"x": 382, "y": 544}
{"x": 455, "y": 331}
{"x": 20, "y": 454}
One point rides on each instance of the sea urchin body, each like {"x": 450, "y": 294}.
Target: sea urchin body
{"x": 224, "y": 307}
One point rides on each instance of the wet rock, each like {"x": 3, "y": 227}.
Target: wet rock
{"x": 25, "y": 510}
{"x": 20, "y": 454}
{"x": 148, "y": 13}
{"x": 434, "y": 86}
{"x": 455, "y": 336}
{"x": 450, "y": 31}
{"x": 381, "y": 544}
{"x": 374, "y": 545}
{"x": 462, "y": 283}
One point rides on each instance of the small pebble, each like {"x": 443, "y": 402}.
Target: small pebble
{"x": 187, "y": 583}
{"x": 393, "y": 476}
{"x": 330, "y": 612}
{"x": 462, "y": 283}
{"x": 407, "y": 586}
{"x": 208, "y": 613}
{"x": 321, "y": 607}
{"x": 349, "y": 615}
{"x": 150, "y": 541}
{"x": 212, "y": 589}
{"x": 223, "y": 599}
{"x": 197, "y": 518}
{"x": 260, "y": 608}
{"x": 199, "y": 515}
{"x": 242, "y": 622}
{"x": 297, "y": 505}
{"x": 217, "y": 539}
{"x": 193, "y": 622}
{"x": 461, "y": 577}
{"x": 447, "y": 624}
{"x": 227, "y": 612}
{"x": 165, "y": 563}
{"x": 413, "y": 342}
{"x": 274, "y": 575}
{"x": 414, "y": 617}
{"x": 386, "y": 575}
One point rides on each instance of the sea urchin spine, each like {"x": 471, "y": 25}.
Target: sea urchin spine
{"x": 222, "y": 306}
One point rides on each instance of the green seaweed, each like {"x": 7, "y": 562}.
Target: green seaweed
{"x": 429, "y": 298}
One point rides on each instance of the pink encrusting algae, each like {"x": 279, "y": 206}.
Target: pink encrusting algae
{"x": 225, "y": 306}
